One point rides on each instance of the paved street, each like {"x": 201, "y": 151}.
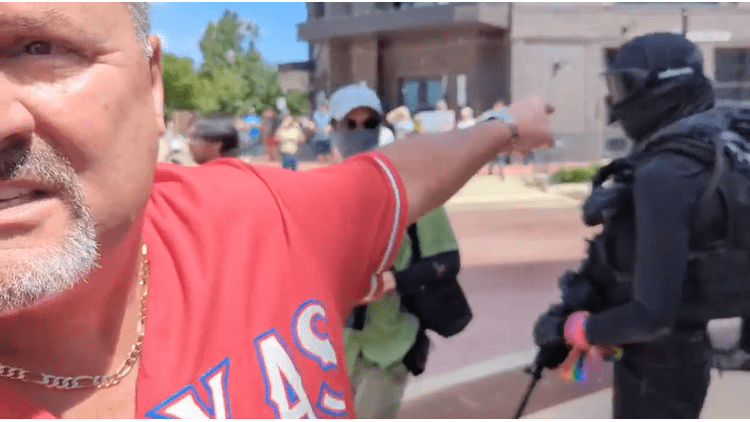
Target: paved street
{"x": 511, "y": 260}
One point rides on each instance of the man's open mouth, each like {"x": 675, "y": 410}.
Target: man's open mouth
{"x": 14, "y": 196}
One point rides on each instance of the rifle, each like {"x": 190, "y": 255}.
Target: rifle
{"x": 578, "y": 289}
{"x": 535, "y": 369}
{"x": 552, "y": 354}
{"x": 547, "y": 357}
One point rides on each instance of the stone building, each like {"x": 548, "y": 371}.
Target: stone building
{"x": 477, "y": 53}
{"x": 295, "y": 75}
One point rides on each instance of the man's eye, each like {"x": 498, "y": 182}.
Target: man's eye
{"x": 38, "y": 48}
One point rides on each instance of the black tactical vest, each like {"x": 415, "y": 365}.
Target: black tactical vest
{"x": 717, "y": 284}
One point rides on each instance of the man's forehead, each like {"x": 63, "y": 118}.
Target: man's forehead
{"x": 77, "y": 17}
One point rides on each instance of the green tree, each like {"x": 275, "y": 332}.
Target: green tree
{"x": 228, "y": 39}
{"x": 180, "y": 83}
{"x": 235, "y": 80}
{"x": 297, "y": 102}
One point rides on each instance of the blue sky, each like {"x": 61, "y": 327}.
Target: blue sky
{"x": 182, "y": 25}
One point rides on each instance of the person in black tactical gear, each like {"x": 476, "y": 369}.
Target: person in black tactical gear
{"x": 672, "y": 252}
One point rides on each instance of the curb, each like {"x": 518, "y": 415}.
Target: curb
{"x": 417, "y": 388}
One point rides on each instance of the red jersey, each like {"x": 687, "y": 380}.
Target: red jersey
{"x": 253, "y": 273}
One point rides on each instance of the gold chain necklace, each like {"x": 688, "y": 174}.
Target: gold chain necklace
{"x": 98, "y": 381}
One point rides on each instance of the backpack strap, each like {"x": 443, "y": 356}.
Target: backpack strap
{"x": 720, "y": 163}
{"x": 416, "y": 248}
{"x": 621, "y": 166}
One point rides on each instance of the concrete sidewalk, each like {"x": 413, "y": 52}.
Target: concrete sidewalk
{"x": 491, "y": 191}
{"x": 727, "y": 399}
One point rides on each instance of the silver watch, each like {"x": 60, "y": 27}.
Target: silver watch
{"x": 504, "y": 117}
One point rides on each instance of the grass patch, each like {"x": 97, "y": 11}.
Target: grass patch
{"x": 575, "y": 175}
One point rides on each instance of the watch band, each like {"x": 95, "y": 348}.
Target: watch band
{"x": 504, "y": 117}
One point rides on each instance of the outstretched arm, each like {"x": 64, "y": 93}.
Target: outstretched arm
{"x": 433, "y": 167}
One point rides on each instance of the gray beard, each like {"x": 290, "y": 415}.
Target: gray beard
{"x": 59, "y": 267}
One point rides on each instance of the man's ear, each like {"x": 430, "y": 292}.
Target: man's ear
{"x": 157, "y": 86}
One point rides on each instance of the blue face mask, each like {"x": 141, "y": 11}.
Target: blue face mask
{"x": 350, "y": 142}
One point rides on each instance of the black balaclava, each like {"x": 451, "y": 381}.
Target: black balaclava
{"x": 655, "y": 107}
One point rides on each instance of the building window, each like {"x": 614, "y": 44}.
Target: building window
{"x": 317, "y": 10}
{"x": 732, "y": 75}
{"x": 421, "y": 94}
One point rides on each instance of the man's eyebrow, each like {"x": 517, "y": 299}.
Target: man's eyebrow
{"x": 48, "y": 19}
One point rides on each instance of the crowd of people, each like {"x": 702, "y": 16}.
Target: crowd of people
{"x": 226, "y": 289}
{"x": 282, "y": 135}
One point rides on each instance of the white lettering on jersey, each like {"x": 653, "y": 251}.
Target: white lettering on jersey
{"x": 284, "y": 390}
{"x": 187, "y": 404}
{"x": 331, "y": 402}
{"x": 311, "y": 342}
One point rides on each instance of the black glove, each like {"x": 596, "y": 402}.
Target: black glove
{"x": 548, "y": 330}
{"x": 552, "y": 355}
{"x": 549, "y": 336}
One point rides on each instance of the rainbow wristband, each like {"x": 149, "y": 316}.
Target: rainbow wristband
{"x": 579, "y": 371}
{"x": 575, "y": 329}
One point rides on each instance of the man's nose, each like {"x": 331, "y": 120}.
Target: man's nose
{"x": 16, "y": 120}
{"x": 16, "y": 127}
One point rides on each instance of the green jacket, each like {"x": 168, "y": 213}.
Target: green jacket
{"x": 388, "y": 332}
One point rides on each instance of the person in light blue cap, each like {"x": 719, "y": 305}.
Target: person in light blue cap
{"x": 386, "y": 339}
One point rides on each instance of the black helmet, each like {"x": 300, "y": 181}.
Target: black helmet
{"x": 654, "y": 80}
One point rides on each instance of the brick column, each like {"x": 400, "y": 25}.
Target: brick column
{"x": 462, "y": 57}
{"x": 364, "y": 61}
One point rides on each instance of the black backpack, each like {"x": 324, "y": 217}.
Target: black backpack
{"x": 720, "y": 287}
